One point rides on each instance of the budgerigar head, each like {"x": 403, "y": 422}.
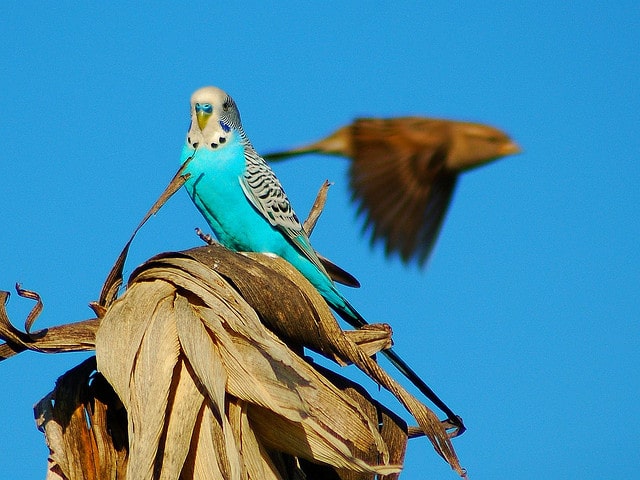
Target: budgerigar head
{"x": 214, "y": 118}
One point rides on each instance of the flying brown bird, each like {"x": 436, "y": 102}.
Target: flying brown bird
{"x": 404, "y": 171}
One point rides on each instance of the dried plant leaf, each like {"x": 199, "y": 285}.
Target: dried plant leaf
{"x": 150, "y": 382}
{"x": 208, "y": 388}
{"x": 197, "y": 345}
{"x": 204, "y": 358}
{"x": 73, "y": 337}
{"x": 224, "y": 346}
{"x": 344, "y": 348}
{"x": 371, "y": 338}
{"x": 392, "y": 428}
{"x": 293, "y": 309}
{"x": 82, "y": 427}
{"x": 35, "y": 311}
{"x": 114, "y": 279}
{"x": 117, "y": 363}
{"x": 257, "y": 461}
{"x": 246, "y": 380}
{"x": 184, "y": 404}
{"x": 317, "y": 208}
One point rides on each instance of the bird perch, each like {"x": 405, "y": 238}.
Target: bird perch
{"x": 189, "y": 354}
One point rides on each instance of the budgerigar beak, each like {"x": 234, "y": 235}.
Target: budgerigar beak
{"x": 203, "y": 118}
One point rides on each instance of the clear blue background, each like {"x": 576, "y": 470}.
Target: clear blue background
{"x": 526, "y": 320}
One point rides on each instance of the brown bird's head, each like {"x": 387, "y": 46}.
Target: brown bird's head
{"x": 474, "y": 144}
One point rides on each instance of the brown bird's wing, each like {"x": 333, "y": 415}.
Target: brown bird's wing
{"x": 400, "y": 181}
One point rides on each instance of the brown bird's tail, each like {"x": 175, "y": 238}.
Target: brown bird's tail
{"x": 338, "y": 143}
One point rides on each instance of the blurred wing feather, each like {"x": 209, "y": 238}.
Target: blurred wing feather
{"x": 399, "y": 179}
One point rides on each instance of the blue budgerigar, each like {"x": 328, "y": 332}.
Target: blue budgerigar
{"x": 246, "y": 207}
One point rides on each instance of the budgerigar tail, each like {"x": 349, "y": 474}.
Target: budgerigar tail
{"x": 351, "y": 316}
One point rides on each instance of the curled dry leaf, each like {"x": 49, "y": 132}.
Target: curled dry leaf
{"x": 72, "y": 337}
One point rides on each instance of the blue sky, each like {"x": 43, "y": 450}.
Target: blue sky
{"x": 526, "y": 320}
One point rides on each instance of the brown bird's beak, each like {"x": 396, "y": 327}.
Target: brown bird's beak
{"x": 510, "y": 148}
